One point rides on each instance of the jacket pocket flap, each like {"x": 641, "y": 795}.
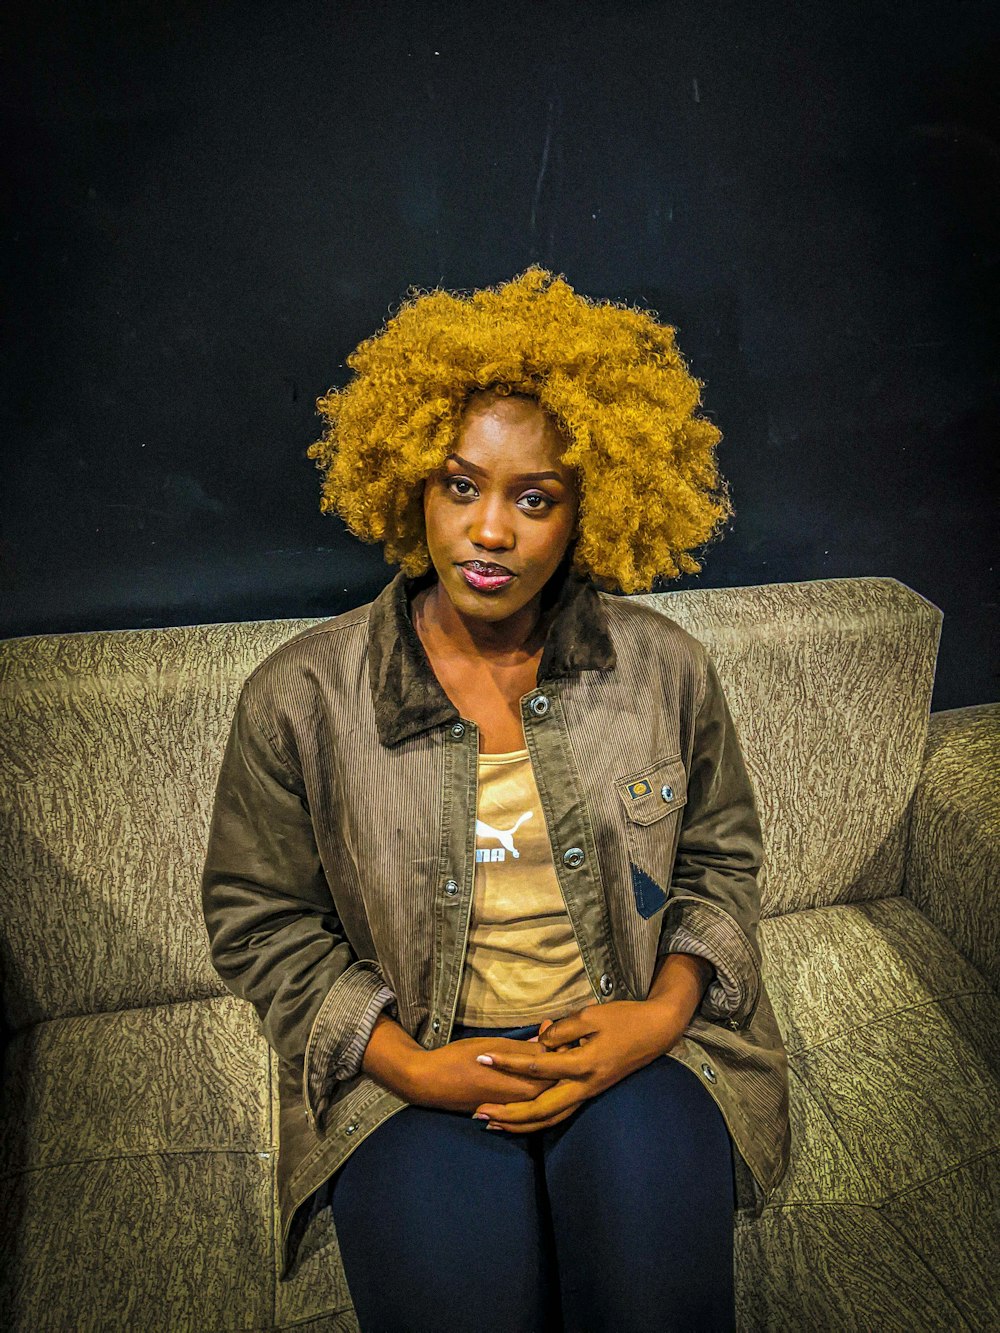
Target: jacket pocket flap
{"x": 655, "y": 791}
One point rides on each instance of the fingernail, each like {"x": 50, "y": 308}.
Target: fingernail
{"x": 480, "y": 1115}
{"x": 484, "y": 1059}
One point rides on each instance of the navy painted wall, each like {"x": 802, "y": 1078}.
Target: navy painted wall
{"x": 212, "y": 203}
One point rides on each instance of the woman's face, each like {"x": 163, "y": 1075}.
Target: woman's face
{"x": 501, "y": 512}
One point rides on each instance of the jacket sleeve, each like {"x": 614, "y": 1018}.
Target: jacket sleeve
{"x": 274, "y": 933}
{"x": 714, "y": 903}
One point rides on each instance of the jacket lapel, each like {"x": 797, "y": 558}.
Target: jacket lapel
{"x": 408, "y": 697}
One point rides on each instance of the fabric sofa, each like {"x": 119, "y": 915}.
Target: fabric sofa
{"x": 139, "y": 1103}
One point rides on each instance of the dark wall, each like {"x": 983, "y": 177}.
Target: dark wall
{"x": 212, "y": 203}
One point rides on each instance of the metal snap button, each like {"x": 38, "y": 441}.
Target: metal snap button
{"x": 574, "y": 857}
{"x": 667, "y": 793}
{"x": 709, "y": 1072}
{"x": 450, "y": 887}
{"x": 539, "y": 705}
{"x": 607, "y": 984}
{"x": 436, "y": 1025}
{"x": 458, "y": 730}
{"x": 349, "y": 1129}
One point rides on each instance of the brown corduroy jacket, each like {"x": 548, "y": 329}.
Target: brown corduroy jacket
{"x": 338, "y": 879}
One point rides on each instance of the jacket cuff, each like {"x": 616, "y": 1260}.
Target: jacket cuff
{"x": 721, "y": 996}
{"x": 340, "y": 1032}
{"x": 702, "y": 928}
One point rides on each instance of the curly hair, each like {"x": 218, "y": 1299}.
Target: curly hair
{"x": 609, "y": 375}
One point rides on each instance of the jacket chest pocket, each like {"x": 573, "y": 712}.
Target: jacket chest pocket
{"x": 652, "y": 802}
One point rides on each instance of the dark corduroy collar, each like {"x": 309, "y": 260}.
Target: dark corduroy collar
{"x": 407, "y": 695}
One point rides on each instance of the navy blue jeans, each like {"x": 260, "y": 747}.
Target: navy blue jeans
{"x": 618, "y": 1218}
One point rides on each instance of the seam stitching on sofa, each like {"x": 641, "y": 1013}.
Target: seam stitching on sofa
{"x": 891, "y": 1013}
{"x": 15, "y": 1172}
{"x": 929, "y": 1273}
{"x": 226, "y": 994}
{"x": 942, "y": 1175}
{"x": 787, "y": 1204}
{"x": 821, "y": 1109}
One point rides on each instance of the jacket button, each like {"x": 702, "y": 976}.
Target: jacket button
{"x": 574, "y": 857}
{"x": 607, "y": 984}
{"x": 667, "y": 793}
{"x": 709, "y": 1072}
{"x": 436, "y": 1025}
{"x": 349, "y": 1129}
{"x": 732, "y": 1023}
{"x": 458, "y": 730}
{"x": 539, "y": 705}
{"x": 450, "y": 887}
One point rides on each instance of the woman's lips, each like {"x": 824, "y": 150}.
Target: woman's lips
{"x": 484, "y": 580}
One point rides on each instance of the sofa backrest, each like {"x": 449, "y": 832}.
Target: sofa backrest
{"x": 829, "y": 683}
{"x": 110, "y": 744}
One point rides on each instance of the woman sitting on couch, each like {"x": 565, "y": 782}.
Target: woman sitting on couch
{"x": 484, "y": 853}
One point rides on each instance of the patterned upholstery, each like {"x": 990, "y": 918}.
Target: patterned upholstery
{"x": 139, "y": 1099}
{"x": 894, "y": 1054}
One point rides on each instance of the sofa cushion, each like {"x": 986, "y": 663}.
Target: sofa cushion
{"x": 138, "y": 1171}
{"x": 851, "y": 1268}
{"x": 893, "y": 1041}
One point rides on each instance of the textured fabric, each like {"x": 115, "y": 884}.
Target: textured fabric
{"x": 187, "y": 1077}
{"x": 723, "y": 993}
{"x": 522, "y": 961}
{"x": 334, "y": 1049}
{"x": 887, "y": 1215}
{"x": 137, "y": 1166}
{"x": 157, "y": 1243}
{"x": 310, "y": 906}
{"x": 953, "y": 870}
{"x": 109, "y": 750}
{"x": 348, "y": 1064}
{"x": 834, "y": 686}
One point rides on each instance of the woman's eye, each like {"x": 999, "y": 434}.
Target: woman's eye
{"x": 460, "y": 485}
{"x": 536, "y": 501}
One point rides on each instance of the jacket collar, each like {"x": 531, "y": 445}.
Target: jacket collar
{"x": 408, "y": 697}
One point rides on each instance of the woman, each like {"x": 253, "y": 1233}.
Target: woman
{"x": 484, "y": 852}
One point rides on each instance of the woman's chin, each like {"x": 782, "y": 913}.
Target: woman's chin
{"x": 494, "y": 604}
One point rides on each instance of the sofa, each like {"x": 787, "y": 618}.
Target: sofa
{"x": 139, "y": 1096}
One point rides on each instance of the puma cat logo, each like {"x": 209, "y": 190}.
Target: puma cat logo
{"x": 503, "y": 836}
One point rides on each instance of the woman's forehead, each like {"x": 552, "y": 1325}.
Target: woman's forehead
{"x": 512, "y": 435}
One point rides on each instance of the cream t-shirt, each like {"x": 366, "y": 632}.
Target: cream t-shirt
{"x": 522, "y": 961}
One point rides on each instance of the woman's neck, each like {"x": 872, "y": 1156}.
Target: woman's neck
{"x": 437, "y": 622}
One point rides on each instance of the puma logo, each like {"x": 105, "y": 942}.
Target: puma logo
{"x": 505, "y": 837}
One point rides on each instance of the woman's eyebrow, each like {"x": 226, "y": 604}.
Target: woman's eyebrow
{"x": 520, "y": 476}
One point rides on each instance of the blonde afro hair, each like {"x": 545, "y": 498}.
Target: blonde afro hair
{"x": 610, "y": 376}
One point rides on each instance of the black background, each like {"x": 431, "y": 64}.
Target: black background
{"x": 209, "y": 205}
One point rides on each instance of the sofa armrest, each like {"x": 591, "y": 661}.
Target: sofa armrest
{"x": 953, "y": 858}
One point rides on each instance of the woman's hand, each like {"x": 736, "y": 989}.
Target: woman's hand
{"x": 615, "y": 1039}
{"x": 451, "y": 1079}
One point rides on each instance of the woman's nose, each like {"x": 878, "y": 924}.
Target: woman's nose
{"x": 491, "y": 527}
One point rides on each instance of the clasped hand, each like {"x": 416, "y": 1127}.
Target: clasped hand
{"x": 615, "y": 1039}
